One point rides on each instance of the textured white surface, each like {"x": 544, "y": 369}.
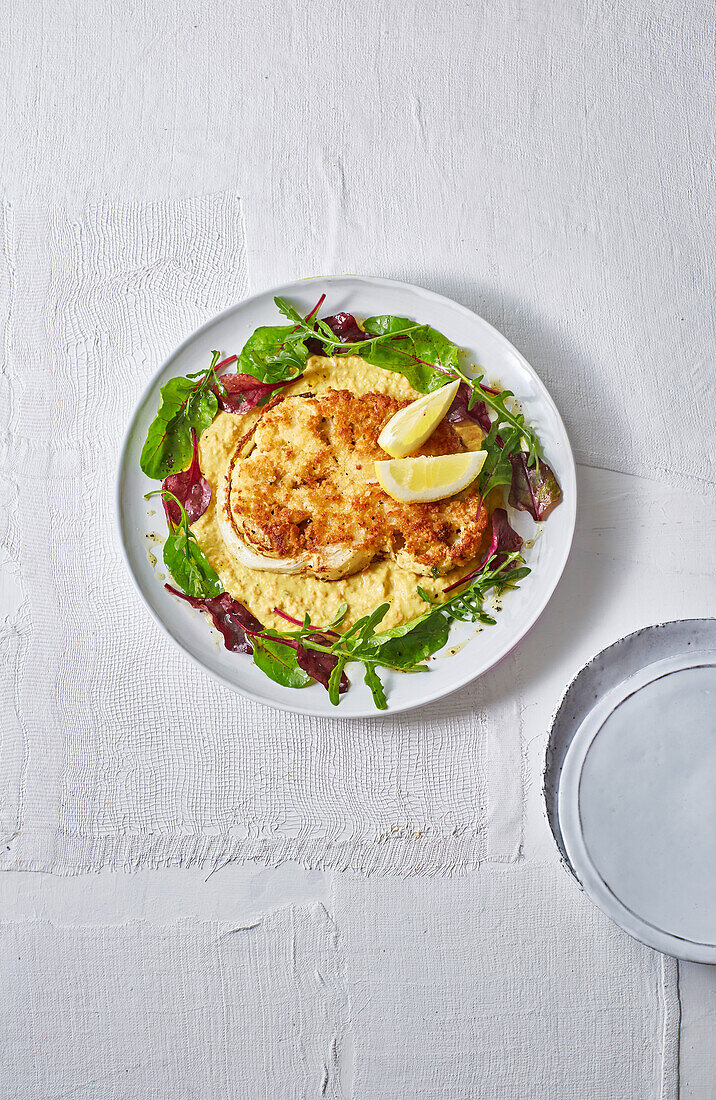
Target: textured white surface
{"x": 545, "y": 164}
{"x": 483, "y": 984}
{"x": 497, "y": 982}
{"x": 118, "y": 750}
{"x": 173, "y": 1010}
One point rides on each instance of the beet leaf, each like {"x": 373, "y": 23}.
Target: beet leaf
{"x": 462, "y": 410}
{"x": 243, "y": 392}
{"x": 505, "y": 539}
{"x": 344, "y": 327}
{"x": 534, "y": 487}
{"x": 189, "y": 487}
{"x": 504, "y": 542}
{"x": 228, "y": 616}
{"x": 320, "y": 665}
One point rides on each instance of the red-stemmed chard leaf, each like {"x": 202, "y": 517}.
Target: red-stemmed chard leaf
{"x": 344, "y": 327}
{"x": 460, "y": 410}
{"x": 244, "y": 392}
{"x": 320, "y": 665}
{"x": 534, "y": 489}
{"x": 190, "y": 487}
{"x": 231, "y": 618}
{"x": 504, "y": 541}
{"x": 238, "y": 625}
{"x": 316, "y": 664}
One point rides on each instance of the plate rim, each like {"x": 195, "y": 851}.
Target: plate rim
{"x": 303, "y": 708}
{"x": 562, "y": 727}
{"x": 585, "y": 869}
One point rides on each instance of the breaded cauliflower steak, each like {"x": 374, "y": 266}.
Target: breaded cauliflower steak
{"x": 301, "y": 487}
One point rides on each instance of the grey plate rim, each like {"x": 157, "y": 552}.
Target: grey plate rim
{"x": 588, "y": 874}
{"x": 605, "y": 671}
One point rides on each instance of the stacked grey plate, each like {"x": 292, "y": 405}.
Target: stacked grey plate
{"x": 630, "y": 785}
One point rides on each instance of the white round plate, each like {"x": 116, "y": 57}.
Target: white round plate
{"x": 228, "y": 332}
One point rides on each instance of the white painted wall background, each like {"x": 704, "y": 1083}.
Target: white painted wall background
{"x": 548, "y": 165}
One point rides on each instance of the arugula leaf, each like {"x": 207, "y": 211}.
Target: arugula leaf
{"x": 370, "y": 622}
{"x": 497, "y": 469}
{"x": 185, "y": 404}
{"x": 339, "y": 615}
{"x": 334, "y": 681}
{"x": 509, "y": 418}
{"x": 284, "y": 306}
{"x": 417, "y": 354}
{"x": 335, "y": 331}
{"x": 374, "y": 682}
{"x": 364, "y": 629}
{"x": 278, "y": 661}
{"x": 184, "y": 558}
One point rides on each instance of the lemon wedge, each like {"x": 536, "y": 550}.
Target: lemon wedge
{"x": 411, "y": 426}
{"x": 421, "y": 479}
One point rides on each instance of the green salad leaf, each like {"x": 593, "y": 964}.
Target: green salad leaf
{"x": 516, "y": 433}
{"x": 375, "y": 684}
{"x": 186, "y": 403}
{"x": 410, "y": 648}
{"x": 279, "y": 661}
{"x": 497, "y": 469}
{"x": 184, "y": 558}
{"x": 420, "y": 353}
{"x": 334, "y": 681}
{"x": 405, "y": 648}
{"x": 274, "y": 354}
